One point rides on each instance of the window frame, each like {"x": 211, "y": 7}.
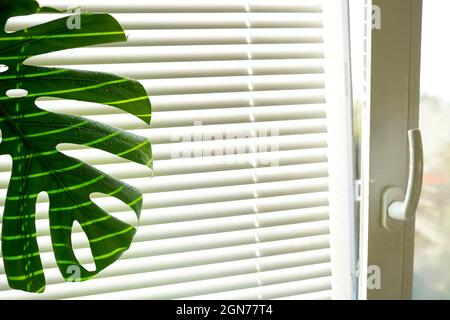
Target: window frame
{"x": 393, "y": 109}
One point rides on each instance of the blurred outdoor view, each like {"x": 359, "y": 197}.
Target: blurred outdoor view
{"x": 432, "y": 244}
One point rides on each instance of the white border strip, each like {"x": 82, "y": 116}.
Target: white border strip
{"x": 340, "y": 147}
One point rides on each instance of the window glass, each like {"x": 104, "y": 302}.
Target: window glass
{"x": 432, "y": 254}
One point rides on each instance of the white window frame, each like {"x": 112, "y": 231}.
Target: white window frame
{"x": 392, "y": 111}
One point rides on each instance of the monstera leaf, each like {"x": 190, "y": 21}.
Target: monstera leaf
{"x": 30, "y": 136}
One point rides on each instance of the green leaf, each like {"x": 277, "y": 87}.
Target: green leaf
{"x": 30, "y": 136}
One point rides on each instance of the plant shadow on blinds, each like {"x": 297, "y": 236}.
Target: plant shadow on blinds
{"x": 238, "y": 206}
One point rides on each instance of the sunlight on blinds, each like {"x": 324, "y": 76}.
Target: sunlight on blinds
{"x": 238, "y": 204}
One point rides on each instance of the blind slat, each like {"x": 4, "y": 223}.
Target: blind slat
{"x": 233, "y": 178}
{"x": 206, "y": 148}
{"x": 163, "y": 119}
{"x": 219, "y": 36}
{"x": 223, "y": 224}
{"x": 321, "y": 295}
{"x": 237, "y": 207}
{"x": 272, "y": 291}
{"x": 287, "y": 98}
{"x": 193, "y": 69}
{"x": 96, "y": 55}
{"x": 225, "y": 193}
{"x": 139, "y": 6}
{"x": 236, "y": 290}
{"x": 212, "y": 179}
{"x": 198, "y": 132}
{"x": 137, "y": 21}
{"x": 212, "y": 163}
{"x": 225, "y": 116}
{"x": 193, "y": 6}
{"x": 225, "y": 238}
{"x": 233, "y": 84}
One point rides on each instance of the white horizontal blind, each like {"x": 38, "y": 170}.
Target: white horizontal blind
{"x": 242, "y": 200}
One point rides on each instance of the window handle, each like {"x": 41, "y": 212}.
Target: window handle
{"x": 400, "y": 205}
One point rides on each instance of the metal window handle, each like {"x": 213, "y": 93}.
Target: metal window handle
{"x": 397, "y": 204}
